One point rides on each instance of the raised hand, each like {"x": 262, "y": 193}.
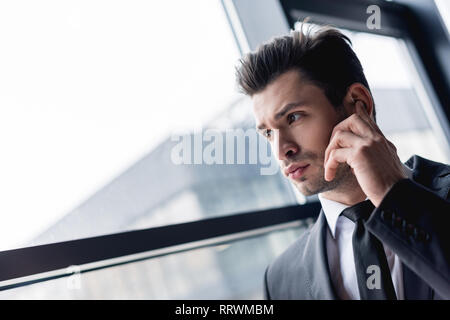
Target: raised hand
{"x": 359, "y": 142}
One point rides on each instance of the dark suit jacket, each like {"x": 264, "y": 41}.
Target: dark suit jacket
{"x": 413, "y": 220}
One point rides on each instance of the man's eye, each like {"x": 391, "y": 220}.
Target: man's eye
{"x": 293, "y": 117}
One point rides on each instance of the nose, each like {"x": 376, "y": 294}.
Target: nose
{"x": 284, "y": 146}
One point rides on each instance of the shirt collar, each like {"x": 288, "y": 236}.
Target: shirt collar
{"x": 332, "y": 209}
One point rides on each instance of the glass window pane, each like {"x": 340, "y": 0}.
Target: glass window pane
{"x": 94, "y": 95}
{"x": 229, "y": 271}
{"x": 444, "y": 11}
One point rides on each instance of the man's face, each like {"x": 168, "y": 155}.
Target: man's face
{"x": 298, "y": 120}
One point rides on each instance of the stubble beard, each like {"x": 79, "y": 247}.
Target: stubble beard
{"x": 317, "y": 184}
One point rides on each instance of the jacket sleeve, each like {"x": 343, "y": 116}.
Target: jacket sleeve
{"x": 415, "y": 223}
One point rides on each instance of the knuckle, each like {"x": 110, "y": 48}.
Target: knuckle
{"x": 333, "y": 153}
{"x": 338, "y": 134}
{"x": 335, "y": 131}
{"x": 377, "y": 138}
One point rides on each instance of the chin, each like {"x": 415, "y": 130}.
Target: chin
{"x": 306, "y": 188}
{"x": 306, "y": 192}
{"x": 311, "y": 186}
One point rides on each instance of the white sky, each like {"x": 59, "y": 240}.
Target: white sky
{"x": 89, "y": 87}
{"x": 444, "y": 9}
{"x": 382, "y": 62}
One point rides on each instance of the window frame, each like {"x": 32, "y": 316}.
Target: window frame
{"x": 24, "y": 266}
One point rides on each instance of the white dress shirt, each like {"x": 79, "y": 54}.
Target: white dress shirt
{"x": 340, "y": 253}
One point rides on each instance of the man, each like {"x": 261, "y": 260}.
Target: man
{"x": 382, "y": 231}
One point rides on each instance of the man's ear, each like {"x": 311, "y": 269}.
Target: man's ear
{"x": 358, "y": 92}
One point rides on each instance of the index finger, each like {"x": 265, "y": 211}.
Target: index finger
{"x": 362, "y": 112}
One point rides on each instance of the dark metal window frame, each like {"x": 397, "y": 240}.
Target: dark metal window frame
{"x": 50, "y": 261}
{"x": 416, "y": 20}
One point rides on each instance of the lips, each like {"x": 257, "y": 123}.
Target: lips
{"x": 296, "y": 171}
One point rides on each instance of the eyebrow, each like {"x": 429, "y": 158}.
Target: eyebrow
{"x": 283, "y": 111}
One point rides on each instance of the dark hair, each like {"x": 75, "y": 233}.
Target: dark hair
{"x": 324, "y": 58}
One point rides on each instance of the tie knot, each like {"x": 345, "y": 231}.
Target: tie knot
{"x": 361, "y": 210}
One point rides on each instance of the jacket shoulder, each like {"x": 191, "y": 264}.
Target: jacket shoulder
{"x": 284, "y": 275}
{"x": 431, "y": 174}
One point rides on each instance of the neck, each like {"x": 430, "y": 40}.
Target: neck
{"x": 348, "y": 193}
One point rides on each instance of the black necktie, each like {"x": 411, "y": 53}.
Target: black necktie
{"x": 372, "y": 270}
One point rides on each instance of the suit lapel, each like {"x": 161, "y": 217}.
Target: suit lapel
{"x": 316, "y": 262}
